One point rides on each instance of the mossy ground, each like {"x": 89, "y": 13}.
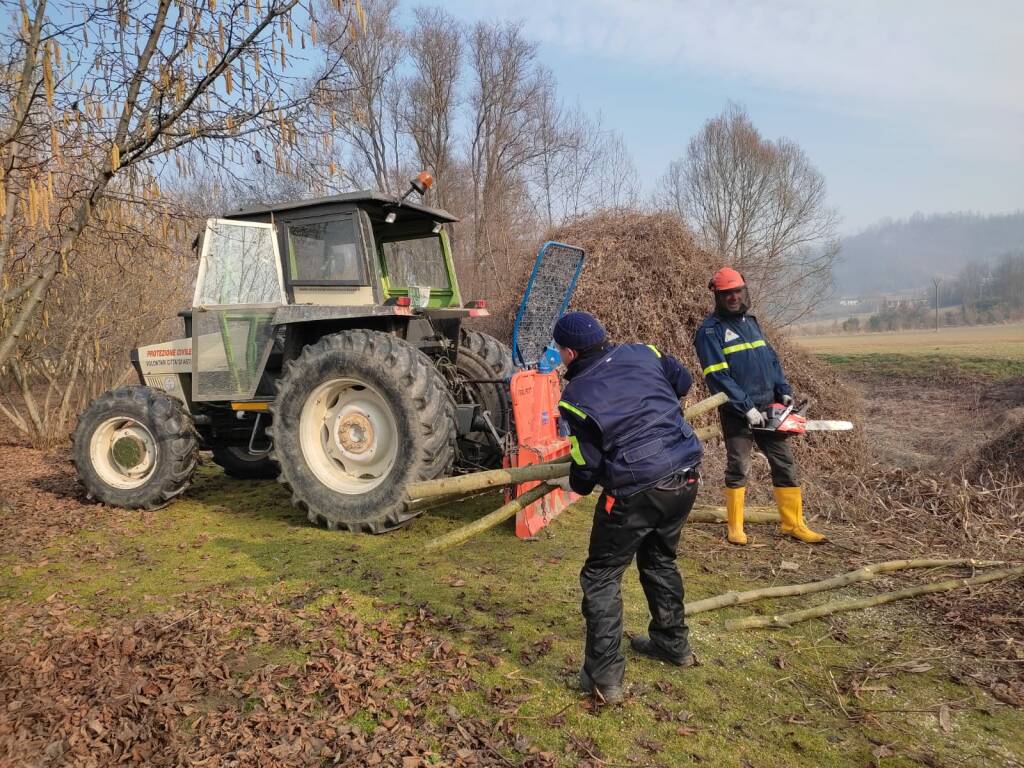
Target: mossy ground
{"x": 865, "y": 688}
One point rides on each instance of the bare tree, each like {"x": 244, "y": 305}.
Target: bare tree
{"x": 368, "y": 110}
{"x": 102, "y": 101}
{"x": 617, "y": 181}
{"x": 762, "y": 205}
{"x": 435, "y": 51}
{"x": 506, "y": 86}
{"x": 582, "y": 157}
{"x": 553, "y": 141}
{"x": 670, "y": 193}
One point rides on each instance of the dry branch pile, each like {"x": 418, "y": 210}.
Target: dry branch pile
{"x": 938, "y": 511}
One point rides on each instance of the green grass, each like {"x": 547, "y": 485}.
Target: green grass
{"x": 926, "y": 366}
{"x": 981, "y": 341}
{"x": 758, "y": 698}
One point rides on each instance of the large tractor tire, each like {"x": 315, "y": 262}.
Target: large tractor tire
{"x": 238, "y": 463}
{"x": 135, "y": 447}
{"x": 358, "y": 416}
{"x": 483, "y": 357}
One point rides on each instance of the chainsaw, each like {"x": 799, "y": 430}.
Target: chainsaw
{"x": 793, "y": 419}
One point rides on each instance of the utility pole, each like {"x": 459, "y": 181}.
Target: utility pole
{"x": 936, "y": 280}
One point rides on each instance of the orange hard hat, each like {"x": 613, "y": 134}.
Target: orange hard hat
{"x": 726, "y": 279}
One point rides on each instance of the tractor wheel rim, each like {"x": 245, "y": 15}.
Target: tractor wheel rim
{"x": 123, "y": 452}
{"x": 348, "y": 435}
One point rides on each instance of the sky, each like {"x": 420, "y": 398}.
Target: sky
{"x": 905, "y": 105}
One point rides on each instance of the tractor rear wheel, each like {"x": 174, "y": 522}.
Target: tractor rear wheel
{"x": 484, "y": 365}
{"x": 238, "y": 463}
{"x": 358, "y": 416}
{"x": 135, "y": 447}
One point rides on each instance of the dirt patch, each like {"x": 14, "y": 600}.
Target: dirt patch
{"x": 908, "y": 425}
{"x": 943, "y": 425}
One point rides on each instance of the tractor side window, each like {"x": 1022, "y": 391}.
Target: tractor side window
{"x": 325, "y": 251}
{"x": 418, "y": 261}
{"x": 240, "y": 266}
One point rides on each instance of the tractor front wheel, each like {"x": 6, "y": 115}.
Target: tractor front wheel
{"x": 358, "y": 416}
{"x": 135, "y": 447}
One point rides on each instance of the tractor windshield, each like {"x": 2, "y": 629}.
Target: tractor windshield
{"x": 238, "y": 265}
{"x": 416, "y": 260}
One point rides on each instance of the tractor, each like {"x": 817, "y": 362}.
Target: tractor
{"x": 327, "y": 346}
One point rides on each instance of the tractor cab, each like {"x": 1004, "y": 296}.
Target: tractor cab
{"x": 360, "y": 259}
{"x": 353, "y": 249}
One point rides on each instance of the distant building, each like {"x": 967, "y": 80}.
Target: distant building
{"x": 902, "y": 301}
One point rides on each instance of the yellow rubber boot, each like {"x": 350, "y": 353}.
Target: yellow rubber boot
{"x": 791, "y": 512}
{"x": 734, "y": 515}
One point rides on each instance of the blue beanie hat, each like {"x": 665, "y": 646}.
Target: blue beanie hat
{"x": 578, "y": 330}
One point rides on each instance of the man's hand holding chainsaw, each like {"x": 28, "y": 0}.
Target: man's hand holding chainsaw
{"x": 755, "y": 418}
{"x": 737, "y": 360}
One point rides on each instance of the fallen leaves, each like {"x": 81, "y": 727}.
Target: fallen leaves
{"x": 195, "y": 687}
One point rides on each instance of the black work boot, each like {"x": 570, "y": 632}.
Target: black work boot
{"x": 605, "y": 694}
{"x": 642, "y": 644}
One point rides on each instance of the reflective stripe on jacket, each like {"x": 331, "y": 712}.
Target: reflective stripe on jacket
{"x": 736, "y": 359}
{"x": 626, "y": 428}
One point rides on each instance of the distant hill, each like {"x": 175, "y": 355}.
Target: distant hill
{"x": 898, "y": 255}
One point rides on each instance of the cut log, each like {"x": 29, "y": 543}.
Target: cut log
{"x": 502, "y": 513}
{"x": 841, "y": 606}
{"x": 866, "y": 573}
{"x": 707, "y": 434}
{"x": 492, "y": 478}
{"x": 418, "y": 505}
{"x": 710, "y": 514}
{"x": 707, "y": 514}
{"x": 705, "y": 405}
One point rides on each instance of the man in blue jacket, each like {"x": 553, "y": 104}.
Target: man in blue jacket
{"x": 738, "y": 360}
{"x": 627, "y": 433}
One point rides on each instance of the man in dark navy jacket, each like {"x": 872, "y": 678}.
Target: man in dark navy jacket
{"x": 739, "y": 361}
{"x": 627, "y": 433}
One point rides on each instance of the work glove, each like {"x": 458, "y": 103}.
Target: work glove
{"x": 561, "y": 482}
{"x": 755, "y": 418}
{"x": 786, "y": 399}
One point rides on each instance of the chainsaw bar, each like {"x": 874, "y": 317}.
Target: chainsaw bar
{"x": 828, "y": 426}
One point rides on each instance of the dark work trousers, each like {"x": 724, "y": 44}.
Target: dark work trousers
{"x": 646, "y": 524}
{"x": 739, "y": 442}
